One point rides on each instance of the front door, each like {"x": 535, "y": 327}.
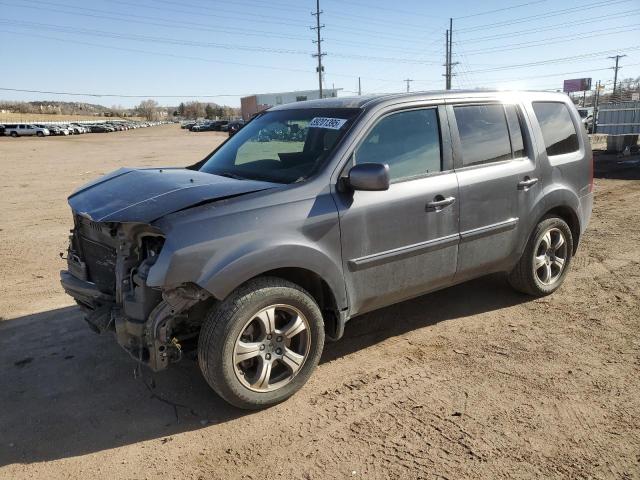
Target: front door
{"x": 403, "y": 242}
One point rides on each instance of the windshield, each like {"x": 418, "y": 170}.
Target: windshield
{"x": 282, "y": 146}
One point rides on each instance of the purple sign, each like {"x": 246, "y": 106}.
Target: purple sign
{"x": 576, "y": 85}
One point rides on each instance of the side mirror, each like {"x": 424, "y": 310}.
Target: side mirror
{"x": 369, "y": 176}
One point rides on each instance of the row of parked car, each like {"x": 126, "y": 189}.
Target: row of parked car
{"x": 214, "y": 126}
{"x": 47, "y": 129}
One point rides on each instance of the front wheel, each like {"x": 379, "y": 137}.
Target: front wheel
{"x": 546, "y": 259}
{"x": 261, "y": 344}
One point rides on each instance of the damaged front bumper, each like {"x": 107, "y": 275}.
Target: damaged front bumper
{"x": 108, "y": 265}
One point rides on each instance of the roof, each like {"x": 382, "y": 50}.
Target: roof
{"x": 368, "y": 101}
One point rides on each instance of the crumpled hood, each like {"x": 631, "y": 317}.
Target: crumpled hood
{"x": 146, "y": 194}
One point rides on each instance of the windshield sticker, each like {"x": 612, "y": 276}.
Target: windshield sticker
{"x": 330, "y": 123}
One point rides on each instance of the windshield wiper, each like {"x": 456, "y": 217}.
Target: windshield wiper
{"x": 235, "y": 176}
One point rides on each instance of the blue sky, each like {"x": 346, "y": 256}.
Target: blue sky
{"x": 220, "y": 50}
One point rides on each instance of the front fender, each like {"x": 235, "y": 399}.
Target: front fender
{"x": 221, "y": 246}
{"x": 222, "y": 278}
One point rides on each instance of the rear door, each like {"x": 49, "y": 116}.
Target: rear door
{"x": 398, "y": 243}
{"x": 498, "y": 183}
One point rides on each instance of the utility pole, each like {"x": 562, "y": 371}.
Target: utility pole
{"x": 596, "y": 102}
{"x": 408, "y": 80}
{"x": 449, "y": 56}
{"x": 359, "y": 87}
{"x": 616, "y": 68}
{"x": 450, "y": 51}
{"x": 446, "y": 63}
{"x": 319, "y": 55}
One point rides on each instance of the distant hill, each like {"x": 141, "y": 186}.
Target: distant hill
{"x": 64, "y": 108}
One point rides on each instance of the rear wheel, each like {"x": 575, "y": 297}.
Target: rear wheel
{"x": 14, "y": 134}
{"x": 261, "y": 344}
{"x": 40, "y": 134}
{"x": 546, "y": 259}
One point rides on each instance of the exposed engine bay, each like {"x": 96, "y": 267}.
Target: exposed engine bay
{"x": 108, "y": 266}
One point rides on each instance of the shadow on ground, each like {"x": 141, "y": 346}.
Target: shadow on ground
{"x": 68, "y": 392}
{"x": 615, "y": 166}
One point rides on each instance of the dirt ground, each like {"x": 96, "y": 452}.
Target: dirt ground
{"x": 474, "y": 381}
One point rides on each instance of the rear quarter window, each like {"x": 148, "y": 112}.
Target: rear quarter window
{"x": 558, "y": 131}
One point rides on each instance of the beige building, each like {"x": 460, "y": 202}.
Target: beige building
{"x": 256, "y": 103}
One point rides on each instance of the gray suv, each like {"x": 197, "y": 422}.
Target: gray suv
{"x": 319, "y": 211}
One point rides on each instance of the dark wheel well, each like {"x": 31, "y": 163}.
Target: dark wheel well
{"x": 318, "y": 288}
{"x": 569, "y": 216}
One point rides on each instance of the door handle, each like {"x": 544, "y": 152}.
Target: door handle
{"x": 439, "y": 203}
{"x": 526, "y": 183}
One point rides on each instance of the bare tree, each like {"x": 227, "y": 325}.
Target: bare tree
{"x": 194, "y": 110}
{"x": 148, "y": 109}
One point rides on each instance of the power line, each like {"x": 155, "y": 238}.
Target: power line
{"x": 163, "y": 54}
{"x": 116, "y": 95}
{"x": 554, "y": 60}
{"x": 559, "y": 39}
{"x": 172, "y": 41}
{"x": 248, "y": 17}
{"x": 537, "y": 30}
{"x": 260, "y": 18}
{"x": 137, "y": 37}
{"x": 559, "y": 74}
{"x": 386, "y": 9}
{"x": 188, "y": 25}
{"x": 166, "y": 22}
{"x": 541, "y": 15}
{"x": 487, "y": 12}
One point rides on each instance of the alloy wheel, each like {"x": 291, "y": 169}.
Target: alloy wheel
{"x": 550, "y": 256}
{"x": 271, "y": 348}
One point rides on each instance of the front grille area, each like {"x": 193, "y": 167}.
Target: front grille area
{"x": 101, "y": 264}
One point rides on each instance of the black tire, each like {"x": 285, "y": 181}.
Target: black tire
{"x": 39, "y": 134}
{"x": 227, "y": 320}
{"x": 523, "y": 277}
{"x": 14, "y": 134}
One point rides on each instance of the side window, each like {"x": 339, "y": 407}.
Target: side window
{"x": 409, "y": 142}
{"x": 515, "y": 130}
{"x": 558, "y": 130}
{"x": 483, "y": 134}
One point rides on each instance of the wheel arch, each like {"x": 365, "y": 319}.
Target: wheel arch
{"x": 562, "y": 202}
{"x": 303, "y": 265}
{"x": 570, "y": 216}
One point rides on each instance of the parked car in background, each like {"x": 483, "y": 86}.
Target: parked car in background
{"x": 1, "y": 130}
{"x": 586, "y": 115}
{"x": 203, "y": 127}
{"x": 100, "y": 128}
{"x": 234, "y": 127}
{"x": 23, "y": 130}
{"x": 75, "y": 129}
{"x": 80, "y": 128}
{"x": 54, "y": 129}
{"x": 218, "y": 125}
